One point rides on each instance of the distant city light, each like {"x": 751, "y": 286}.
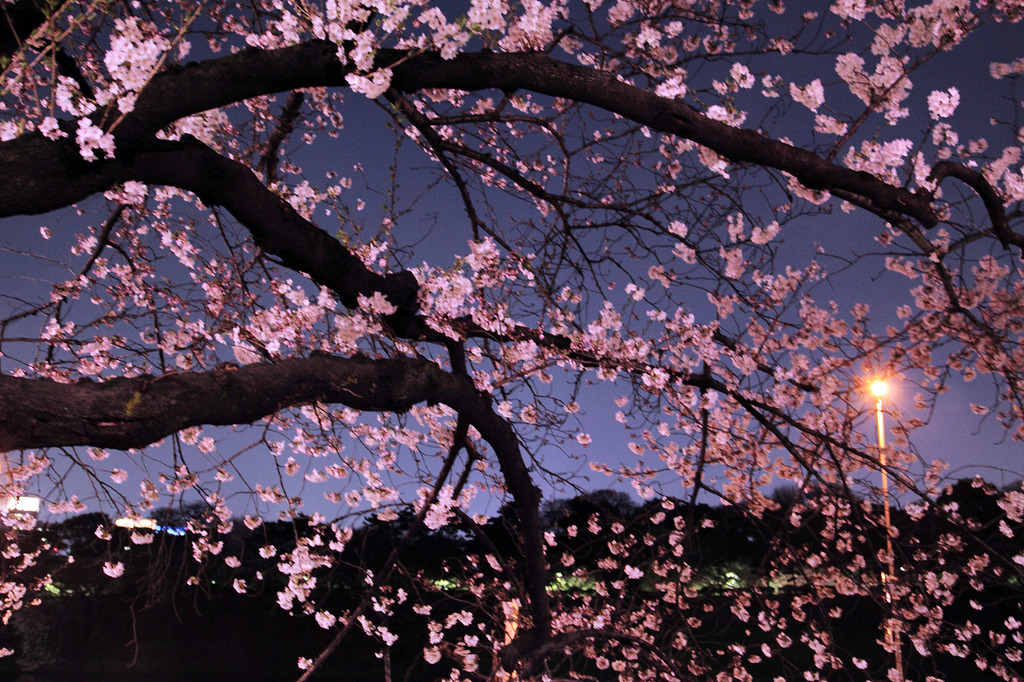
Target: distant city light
{"x": 28, "y": 505}
{"x": 135, "y": 523}
{"x": 148, "y": 524}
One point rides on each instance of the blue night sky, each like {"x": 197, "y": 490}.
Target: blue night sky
{"x": 437, "y": 230}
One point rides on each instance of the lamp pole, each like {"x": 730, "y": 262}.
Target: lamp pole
{"x": 892, "y": 635}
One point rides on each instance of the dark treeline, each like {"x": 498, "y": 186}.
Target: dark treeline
{"x": 168, "y": 614}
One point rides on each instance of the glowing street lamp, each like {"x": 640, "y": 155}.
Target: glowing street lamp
{"x": 879, "y": 389}
{"x": 19, "y": 505}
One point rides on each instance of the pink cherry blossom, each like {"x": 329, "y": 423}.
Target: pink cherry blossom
{"x": 942, "y": 104}
{"x": 114, "y": 570}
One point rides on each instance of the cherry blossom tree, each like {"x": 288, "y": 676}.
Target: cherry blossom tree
{"x": 352, "y": 259}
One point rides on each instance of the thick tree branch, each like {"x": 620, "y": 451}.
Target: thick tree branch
{"x": 218, "y": 181}
{"x": 280, "y": 230}
{"x": 182, "y": 91}
{"x": 538, "y": 72}
{"x": 526, "y": 500}
{"x": 217, "y": 82}
{"x": 277, "y": 227}
{"x": 128, "y": 413}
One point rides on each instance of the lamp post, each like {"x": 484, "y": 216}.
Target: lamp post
{"x": 892, "y": 635}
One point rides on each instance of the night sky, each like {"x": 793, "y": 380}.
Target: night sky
{"x": 437, "y": 230}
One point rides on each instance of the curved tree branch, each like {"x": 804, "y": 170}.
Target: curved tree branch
{"x": 993, "y": 202}
{"x": 538, "y": 72}
{"x": 128, "y": 413}
{"x": 301, "y": 245}
{"x": 181, "y": 91}
{"x": 277, "y": 227}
